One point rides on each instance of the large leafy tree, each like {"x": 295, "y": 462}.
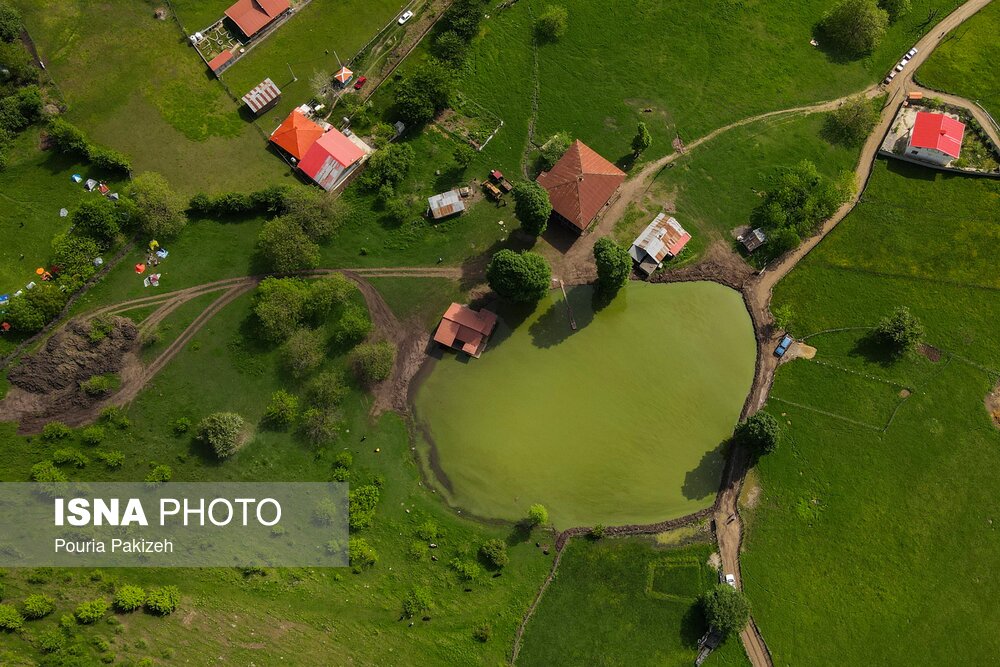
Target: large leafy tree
{"x": 524, "y": 277}
{"x": 552, "y": 23}
{"x": 855, "y": 27}
{"x": 852, "y": 122}
{"x": 10, "y": 23}
{"x": 283, "y": 247}
{"x": 761, "y": 433}
{"x": 159, "y": 211}
{"x": 532, "y": 207}
{"x": 726, "y": 609}
{"x": 900, "y": 330}
{"x": 424, "y": 92}
{"x": 613, "y": 265}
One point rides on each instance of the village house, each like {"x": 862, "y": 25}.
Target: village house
{"x": 333, "y": 157}
{"x": 935, "y": 138}
{"x": 662, "y": 239}
{"x": 580, "y": 184}
{"x": 252, "y": 16}
{"x": 465, "y": 329}
{"x": 296, "y": 134}
{"x": 262, "y": 98}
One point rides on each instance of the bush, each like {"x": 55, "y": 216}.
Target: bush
{"x": 726, "y": 609}
{"x": 47, "y": 472}
{"x": 450, "y": 48}
{"x": 900, "y": 331}
{"x": 362, "y": 502}
{"x": 114, "y": 415}
{"x": 353, "y": 327}
{"x": 552, "y": 23}
{"x": 373, "y": 362}
{"x": 10, "y": 618}
{"x": 423, "y": 93}
{"x": 69, "y": 455}
{"x": 642, "y": 139}
{"x": 597, "y": 532}
{"x": 99, "y": 385}
{"x": 181, "y": 425}
{"x": 538, "y": 515}
{"x": 428, "y": 531}
{"x": 282, "y": 410}
{"x": 31, "y": 311}
{"x": 51, "y": 641}
{"x": 113, "y": 458}
{"x": 163, "y": 600}
{"x": 614, "y": 265}
{"x": 362, "y": 555}
{"x": 97, "y": 218}
{"x": 417, "y": 601}
{"x": 159, "y": 474}
{"x": 464, "y": 154}
{"x": 467, "y": 570}
{"x": 532, "y": 207}
{"x": 66, "y": 137}
{"x": 222, "y": 431}
{"x": 852, "y": 122}
{"x": 302, "y": 353}
{"x": 318, "y": 426}
{"x": 56, "y": 431}
{"x": 37, "y": 606}
{"x": 855, "y": 27}
{"x": 10, "y": 23}
{"x": 109, "y": 160}
{"x": 482, "y": 632}
{"x": 343, "y": 459}
{"x": 524, "y": 277}
{"x": 387, "y": 166}
{"x": 160, "y": 210}
{"x": 92, "y": 611}
{"x": 283, "y": 247}
{"x": 129, "y": 598}
{"x": 327, "y": 390}
{"x": 494, "y": 552}
{"x": 760, "y": 433}
{"x": 552, "y": 150}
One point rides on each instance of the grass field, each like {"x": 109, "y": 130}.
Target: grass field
{"x": 291, "y": 616}
{"x": 964, "y": 64}
{"x": 576, "y": 445}
{"x": 423, "y": 300}
{"x": 864, "y": 541}
{"x": 625, "y": 602}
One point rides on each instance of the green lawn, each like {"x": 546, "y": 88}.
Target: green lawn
{"x": 625, "y": 602}
{"x": 965, "y": 63}
{"x": 864, "y": 542}
{"x": 423, "y": 300}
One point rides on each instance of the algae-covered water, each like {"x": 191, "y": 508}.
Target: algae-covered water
{"x": 620, "y": 421}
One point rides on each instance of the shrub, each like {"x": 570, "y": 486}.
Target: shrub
{"x": 855, "y": 27}
{"x": 99, "y": 385}
{"x": 597, "y": 532}
{"x": 109, "y": 160}
{"x": 428, "y": 531}
{"x": 327, "y": 390}
{"x": 552, "y": 23}
{"x": 279, "y": 304}
{"x": 362, "y": 555}
{"x": 283, "y": 247}
{"x": 450, "y": 48}
{"x": 51, "y": 641}
{"x": 343, "y": 459}
{"x": 417, "y": 601}
{"x": 552, "y": 150}
{"x": 159, "y": 474}
{"x": 464, "y": 154}
{"x": 181, "y": 425}
{"x": 482, "y": 632}
{"x": 222, "y": 431}
{"x": 31, "y": 311}
{"x": 302, "y": 353}
{"x": 129, "y": 598}
{"x": 852, "y": 122}
{"x": 373, "y": 362}
{"x": 362, "y": 502}
{"x": 282, "y": 410}
{"x": 532, "y": 207}
{"x": 899, "y": 330}
{"x": 66, "y": 137}
{"x": 494, "y": 552}
{"x": 56, "y": 431}
{"x": 614, "y": 265}
{"x": 92, "y": 611}
{"x": 467, "y": 570}
{"x": 71, "y": 456}
{"x": 318, "y": 426}
{"x": 353, "y": 327}
{"x": 10, "y": 618}
{"x": 323, "y": 295}
{"x": 524, "y": 277}
{"x": 37, "y": 606}
{"x": 114, "y": 415}
{"x": 46, "y": 471}
{"x": 642, "y": 139}
{"x": 160, "y": 210}
{"x": 163, "y": 600}
{"x": 10, "y": 23}
{"x": 726, "y": 609}
{"x": 538, "y": 515}
{"x": 113, "y": 458}
{"x": 417, "y": 550}
{"x": 760, "y": 433}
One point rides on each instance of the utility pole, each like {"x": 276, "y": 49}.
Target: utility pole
{"x": 294, "y": 78}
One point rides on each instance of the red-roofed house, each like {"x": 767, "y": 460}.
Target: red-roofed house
{"x": 252, "y": 16}
{"x": 332, "y": 158}
{"x": 296, "y": 134}
{"x": 580, "y": 184}
{"x": 219, "y": 62}
{"x": 465, "y": 329}
{"x": 662, "y": 239}
{"x": 935, "y": 138}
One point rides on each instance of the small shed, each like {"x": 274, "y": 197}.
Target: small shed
{"x": 220, "y": 62}
{"x": 343, "y": 77}
{"x": 662, "y": 239}
{"x": 753, "y": 240}
{"x": 445, "y": 204}
{"x": 264, "y": 97}
{"x": 465, "y": 329}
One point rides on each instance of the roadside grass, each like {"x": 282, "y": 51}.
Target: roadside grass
{"x": 963, "y": 64}
{"x": 421, "y": 299}
{"x": 862, "y": 541}
{"x": 301, "y": 616}
{"x": 134, "y": 84}
{"x": 173, "y": 325}
{"x": 649, "y": 592}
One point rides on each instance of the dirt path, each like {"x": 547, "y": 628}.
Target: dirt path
{"x": 977, "y": 112}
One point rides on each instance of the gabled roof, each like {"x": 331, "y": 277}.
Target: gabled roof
{"x": 939, "y": 132}
{"x": 663, "y": 237}
{"x": 328, "y": 157}
{"x": 445, "y": 204}
{"x": 580, "y": 183}
{"x": 253, "y": 15}
{"x": 296, "y": 134}
{"x": 262, "y": 94}
{"x": 216, "y": 63}
{"x": 465, "y": 329}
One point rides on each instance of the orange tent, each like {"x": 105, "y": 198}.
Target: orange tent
{"x": 140, "y": 268}
{"x": 296, "y": 134}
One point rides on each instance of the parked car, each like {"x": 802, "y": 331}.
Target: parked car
{"x": 360, "y": 82}
{"x": 783, "y": 346}
{"x": 731, "y": 580}
{"x": 407, "y": 15}
{"x": 902, "y": 64}
{"x": 912, "y": 52}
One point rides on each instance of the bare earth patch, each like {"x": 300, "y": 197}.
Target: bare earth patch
{"x": 800, "y": 351}
{"x": 993, "y": 404}
{"x": 930, "y": 352}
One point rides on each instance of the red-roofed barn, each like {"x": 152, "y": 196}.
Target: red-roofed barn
{"x": 296, "y": 134}
{"x": 252, "y": 16}
{"x": 580, "y": 184}
{"x": 331, "y": 159}
{"x": 935, "y": 138}
{"x": 465, "y": 329}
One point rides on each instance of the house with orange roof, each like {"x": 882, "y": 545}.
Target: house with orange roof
{"x": 296, "y": 134}
{"x": 465, "y": 329}
{"x": 580, "y": 184}
{"x": 252, "y": 16}
{"x": 333, "y": 157}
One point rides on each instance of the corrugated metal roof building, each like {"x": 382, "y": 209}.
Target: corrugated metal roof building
{"x": 445, "y": 204}
{"x": 662, "y": 239}
{"x": 263, "y": 97}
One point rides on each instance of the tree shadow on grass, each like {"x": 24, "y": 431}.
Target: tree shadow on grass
{"x": 519, "y": 533}
{"x": 693, "y": 626}
{"x": 512, "y": 316}
{"x": 554, "y": 326}
{"x": 559, "y": 237}
{"x": 873, "y": 351}
{"x": 704, "y": 480}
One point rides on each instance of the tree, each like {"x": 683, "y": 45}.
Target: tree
{"x": 387, "y": 166}
{"x": 896, "y": 9}
{"x": 302, "y": 353}
{"x": 450, "y": 47}
{"x": 96, "y": 217}
{"x": 855, "y": 26}
{"x": 726, "y": 609}
{"x": 373, "y": 362}
{"x": 32, "y": 310}
{"x": 494, "y": 552}
{"x": 163, "y": 600}
{"x": 92, "y": 611}
{"x": 223, "y": 432}
{"x": 37, "y": 606}
{"x": 327, "y": 390}
{"x": 68, "y": 138}
{"x": 552, "y": 23}
{"x": 284, "y": 247}
{"x": 361, "y": 504}
{"x": 278, "y": 304}
{"x": 614, "y": 265}
{"x": 524, "y": 277}
{"x": 323, "y": 295}
{"x": 318, "y": 426}
{"x": 899, "y": 330}
{"x": 75, "y": 256}
{"x": 532, "y": 207}
{"x": 129, "y": 598}
{"x": 361, "y": 554}
{"x": 642, "y": 139}
{"x": 160, "y": 211}
{"x": 852, "y": 122}
{"x": 552, "y": 150}
{"x": 319, "y": 84}
{"x": 353, "y": 327}
{"x": 424, "y": 93}
{"x": 799, "y": 199}
{"x": 417, "y": 601}
{"x": 783, "y": 316}
{"x": 10, "y": 23}
{"x": 464, "y": 155}
{"x": 315, "y": 211}
{"x": 283, "y": 408}
{"x": 761, "y": 433}
{"x": 538, "y": 515}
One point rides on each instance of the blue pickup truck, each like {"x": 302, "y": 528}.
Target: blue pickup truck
{"x": 783, "y": 346}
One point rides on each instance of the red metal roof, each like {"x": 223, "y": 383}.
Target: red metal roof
{"x": 328, "y": 157}
{"x": 580, "y": 183}
{"x": 939, "y": 132}
{"x": 253, "y": 15}
{"x": 296, "y": 134}
{"x": 343, "y": 75}
{"x": 262, "y": 95}
{"x": 218, "y": 61}
{"x": 465, "y": 329}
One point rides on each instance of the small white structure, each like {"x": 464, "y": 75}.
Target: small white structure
{"x": 935, "y": 138}
{"x": 662, "y": 239}
{"x": 445, "y": 204}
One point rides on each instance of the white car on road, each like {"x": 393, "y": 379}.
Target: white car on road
{"x": 407, "y": 15}
{"x": 731, "y": 580}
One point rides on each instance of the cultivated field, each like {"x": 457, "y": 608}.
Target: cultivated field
{"x": 874, "y": 528}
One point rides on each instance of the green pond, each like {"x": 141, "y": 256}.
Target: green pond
{"x": 620, "y": 421}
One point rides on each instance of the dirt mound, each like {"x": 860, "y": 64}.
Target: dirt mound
{"x": 993, "y": 405}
